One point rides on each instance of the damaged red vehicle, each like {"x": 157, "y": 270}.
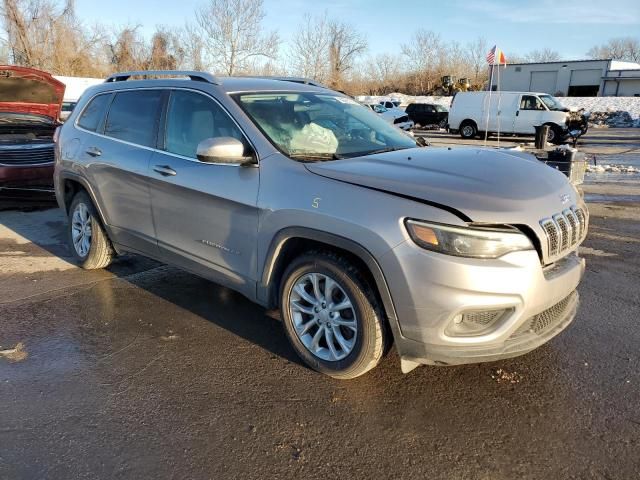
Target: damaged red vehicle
{"x": 30, "y": 103}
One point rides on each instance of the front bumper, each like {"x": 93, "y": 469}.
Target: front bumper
{"x": 430, "y": 289}
{"x": 406, "y": 126}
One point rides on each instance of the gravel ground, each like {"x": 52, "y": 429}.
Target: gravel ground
{"x": 144, "y": 371}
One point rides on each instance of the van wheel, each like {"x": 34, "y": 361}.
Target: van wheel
{"x": 331, "y": 315}
{"x": 554, "y": 135}
{"x": 468, "y": 129}
{"x": 89, "y": 242}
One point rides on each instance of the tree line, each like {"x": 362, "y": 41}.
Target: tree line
{"x": 228, "y": 37}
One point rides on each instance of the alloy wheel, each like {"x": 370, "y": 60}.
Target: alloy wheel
{"x": 81, "y": 230}
{"x": 323, "y": 316}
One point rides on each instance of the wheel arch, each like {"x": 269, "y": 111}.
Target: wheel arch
{"x": 70, "y": 184}
{"x": 293, "y": 241}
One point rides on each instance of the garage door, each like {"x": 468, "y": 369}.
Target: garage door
{"x": 585, "y": 77}
{"x": 543, "y": 82}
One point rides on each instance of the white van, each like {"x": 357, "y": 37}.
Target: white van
{"x": 509, "y": 113}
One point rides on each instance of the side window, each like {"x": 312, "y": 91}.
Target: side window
{"x": 430, "y": 109}
{"x": 193, "y": 117}
{"x": 133, "y": 117}
{"x": 94, "y": 112}
{"x": 530, "y": 102}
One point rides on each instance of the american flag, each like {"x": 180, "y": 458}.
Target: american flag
{"x": 496, "y": 53}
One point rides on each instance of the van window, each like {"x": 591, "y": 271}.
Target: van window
{"x": 531, "y": 102}
{"x": 93, "y": 113}
{"x": 133, "y": 117}
{"x": 193, "y": 117}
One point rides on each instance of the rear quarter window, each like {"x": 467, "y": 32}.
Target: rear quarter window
{"x": 133, "y": 117}
{"x": 94, "y": 112}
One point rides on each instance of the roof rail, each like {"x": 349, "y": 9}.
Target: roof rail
{"x": 303, "y": 80}
{"x": 193, "y": 75}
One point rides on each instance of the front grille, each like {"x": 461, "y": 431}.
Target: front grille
{"x": 404, "y": 118}
{"x": 27, "y": 155}
{"x": 541, "y": 322}
{"x": 564, "y": 231}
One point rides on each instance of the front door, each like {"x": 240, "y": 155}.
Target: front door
{"x": 528, "y": 115}
{"x": 205, "y": 214}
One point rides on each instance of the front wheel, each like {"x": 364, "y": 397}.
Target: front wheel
{"x": 331, "y": 315}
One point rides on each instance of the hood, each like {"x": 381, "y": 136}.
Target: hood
{"x": 481, "y": 185}
{"x": 26, "y": 90}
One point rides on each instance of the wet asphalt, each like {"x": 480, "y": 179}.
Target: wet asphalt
{"x": 144, "y": 371}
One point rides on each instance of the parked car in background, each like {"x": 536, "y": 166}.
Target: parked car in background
{"x": 516, "y": 113}
{"x": 425, "y": 114}
{"x": 67, "y": 108}
{"x": 302, "y": 199}
{"x": 390, "y": 104}
{"x": 30, "y": 103}
{"x": 397, "y": 118}
{"x": 74, "y": 88}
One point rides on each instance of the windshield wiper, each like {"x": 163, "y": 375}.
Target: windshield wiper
{"x": 383, "y": 150}
{"x": 315, "y": 157}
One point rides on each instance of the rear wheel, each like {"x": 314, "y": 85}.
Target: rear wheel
{"x": 331, "y": 315}
{"x": 89, "y": 242}
{"x": 468, "y": 129}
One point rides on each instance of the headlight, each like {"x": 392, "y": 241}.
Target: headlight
{"x": 466, "y": 241}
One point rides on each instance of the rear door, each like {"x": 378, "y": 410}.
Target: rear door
{"x": 205, "y": 214}
{"x": 529, "y": 114}
{"x": 117, "y": 155}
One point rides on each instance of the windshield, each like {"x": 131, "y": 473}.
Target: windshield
{"x": 552, "y": 103}
{"x": 440, "y": 108}
{"x": 313, "y": 126}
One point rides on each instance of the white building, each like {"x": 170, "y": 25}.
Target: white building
{"x": 75, "y": 86}
{"x": 581, "y": 78}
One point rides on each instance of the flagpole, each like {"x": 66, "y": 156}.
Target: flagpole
{"x": 486, "y": 130}
{"x": 499, "y": 98}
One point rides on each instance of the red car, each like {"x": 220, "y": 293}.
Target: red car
{"x": 30, "y": 103}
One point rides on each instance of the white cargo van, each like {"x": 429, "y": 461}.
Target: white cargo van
{"x": 515, "y": 113}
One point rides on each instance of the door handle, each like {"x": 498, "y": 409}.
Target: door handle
{"x": 517, "y": 112}
{"x": 165, "y": 170}
{"x": 94, "y": 151}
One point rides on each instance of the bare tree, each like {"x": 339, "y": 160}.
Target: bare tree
{"x": 233, "y": 35}
{"x": 310, "y": 48}
{"x": 382, "y": 74}
{"x": 346, "y": 44}
{"x": 166, "y": 51}
{"x": 544, "y": 55}
{"x": 46, "y": 34}
{"x": 423, "y": 53}
{"x": 128, "y": 49}
{"x": 192, "y": 46}
{"x": 476, "y": 53}
{"x": 624, "y": 48}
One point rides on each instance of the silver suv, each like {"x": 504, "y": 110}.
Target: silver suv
{"x": 299, "y": 198}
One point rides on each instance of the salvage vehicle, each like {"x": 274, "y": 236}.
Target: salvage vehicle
{"x": 395, "y": 117}
{"x": 425, "y": 114}
{"x": 515, "y": 113}
{"x": 30, "y": 103}
{"x": 302, "y": 199}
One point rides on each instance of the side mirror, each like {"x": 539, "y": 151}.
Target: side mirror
{"x": 222, "y": 150}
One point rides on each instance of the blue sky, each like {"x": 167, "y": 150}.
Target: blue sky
{"x": 570, "y": 27}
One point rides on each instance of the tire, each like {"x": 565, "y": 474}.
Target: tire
{"x": 555, "y": 134}
{"x": 362, "y": 328}
{"x": 468, "y": 129}
{"x": 89, "y": 243}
